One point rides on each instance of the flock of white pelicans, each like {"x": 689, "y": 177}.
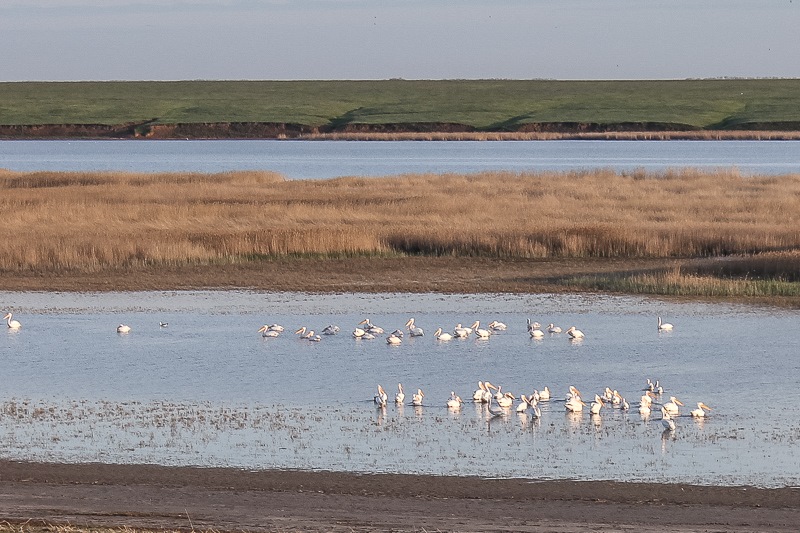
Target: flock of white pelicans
{"x": 501, "y": 403}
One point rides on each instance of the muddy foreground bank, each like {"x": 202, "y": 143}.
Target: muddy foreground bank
{"x": 232, "y": 500}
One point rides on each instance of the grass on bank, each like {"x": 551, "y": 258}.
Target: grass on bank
{"x": 496, "y": 105}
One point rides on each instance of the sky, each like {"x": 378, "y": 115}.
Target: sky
{"x": 59, "y": 40}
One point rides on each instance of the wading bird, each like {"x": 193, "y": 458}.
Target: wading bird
{"x": 575, "y": 333}
{"x": 12, "y": 324}
{"x": 413, "y": 330}
{"x": 267, "y": 332}
{"x": 400, "y": 396}
{"x": 664, "y": 326}
{"x": 701, "y": 410}
{"x": 442, "y": 336}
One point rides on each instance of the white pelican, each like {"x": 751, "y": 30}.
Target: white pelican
{"x": 664, "y": 326}
{"x": 416, "y": 398}
{"x": 575, "y": 333}
{"x": 398, "y": 333}
{"x": 478, "y": 394}
{"x": 487, "y": 391}
{"x": 163, "y": 324}
{"x": 400, "y": 396}
{"x": 394, "y": 340}
{"x": 330, "y": 329}
{"x": 380, "y": 398}
{"x": 552, "y": 328}
{"x": 506, "y": 400}
{"x": 122, "y": 328}
{"x": 481, "y": 333}
{"x": 497, "y": 326}
{"x": 532, "y": 325}
{"x": 574, "y": 404}
{"x": 454, "y": 402}
{"x": 544, "y": 394}
{"x": 535, "y": 332}
{"x": 414, "y": 331}
{"x": 12, "y": 324}
{"x": 367, "y": 336}
{"x": 701, "y": 410}
{"x": 666, "y": 420}
{"x": 267, "y": 332}
{"x": 370, "y": 327}
{"x": 358, "y": 333}
{"x": 645, "y": 403}
{"x": 573, "y": 393}
{"x": 442, "y": 336}
{"x": 671, "y": 406}
{"x": 524, "y": 404}
{"x": 461, "y": 332}
{"x": 597, "y": 404}
{"x": 274, "y": 327}
{"x": 308, "y": 335}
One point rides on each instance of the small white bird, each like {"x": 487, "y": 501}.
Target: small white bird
{"x": 12, "y": 324}
{"x": 701, "y": 410}
{"x": 664, "y": 326}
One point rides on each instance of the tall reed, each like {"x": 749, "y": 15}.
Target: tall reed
{"x": 95, "y": 221}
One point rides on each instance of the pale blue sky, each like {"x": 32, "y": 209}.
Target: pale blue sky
{"x": 413, "y": 39}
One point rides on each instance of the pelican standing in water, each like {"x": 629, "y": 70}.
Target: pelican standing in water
{"x": 413, "y": 330}
{"x": 575, "y": 333}
{"x": 12, "y": 324}
{"x": 671, "y": 406}
{"x": 597, "y": 404}
{"x": 544, "y": 394}
{"x": 701, "y": 410}
{"x": 122, "y": 328}
{"x": 380, "y": 398}
{"x": 442, "y": 336}
{"x": 523, "y": 404}
{"x": 400, "y": 396}
{"x": 416, "y": 398}
{"x": 664, "y": 326}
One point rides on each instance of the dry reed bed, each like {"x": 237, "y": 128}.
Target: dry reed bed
{"x": 97, "y": 221}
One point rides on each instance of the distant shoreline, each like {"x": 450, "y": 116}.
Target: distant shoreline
{"x": 378, "y": 132}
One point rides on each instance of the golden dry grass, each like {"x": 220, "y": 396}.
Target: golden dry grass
{"x": 90, "y": 222}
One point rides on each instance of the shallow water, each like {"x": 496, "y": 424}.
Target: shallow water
{"x": 209, "y": 390}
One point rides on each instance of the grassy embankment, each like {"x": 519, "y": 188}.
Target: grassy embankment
{"x": 707, "y": 234}
{"x": 476, "y": 106}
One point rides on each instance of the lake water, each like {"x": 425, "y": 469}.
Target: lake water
{"x": 209, "y": 390}
{"x": 328, "y": 159}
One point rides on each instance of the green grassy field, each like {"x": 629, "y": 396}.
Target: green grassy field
{"x": 486, "y": 104}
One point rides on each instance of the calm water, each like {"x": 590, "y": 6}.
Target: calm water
{"x": 328, "y": 159}
{"x": 209, "y": 390}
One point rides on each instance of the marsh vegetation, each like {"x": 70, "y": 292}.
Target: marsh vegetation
{"x": 113, "y": 222}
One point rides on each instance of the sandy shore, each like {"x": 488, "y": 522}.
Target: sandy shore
{"x": 232, "y": 500}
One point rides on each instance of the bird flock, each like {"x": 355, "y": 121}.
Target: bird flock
{"x": 498, "y": 402}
